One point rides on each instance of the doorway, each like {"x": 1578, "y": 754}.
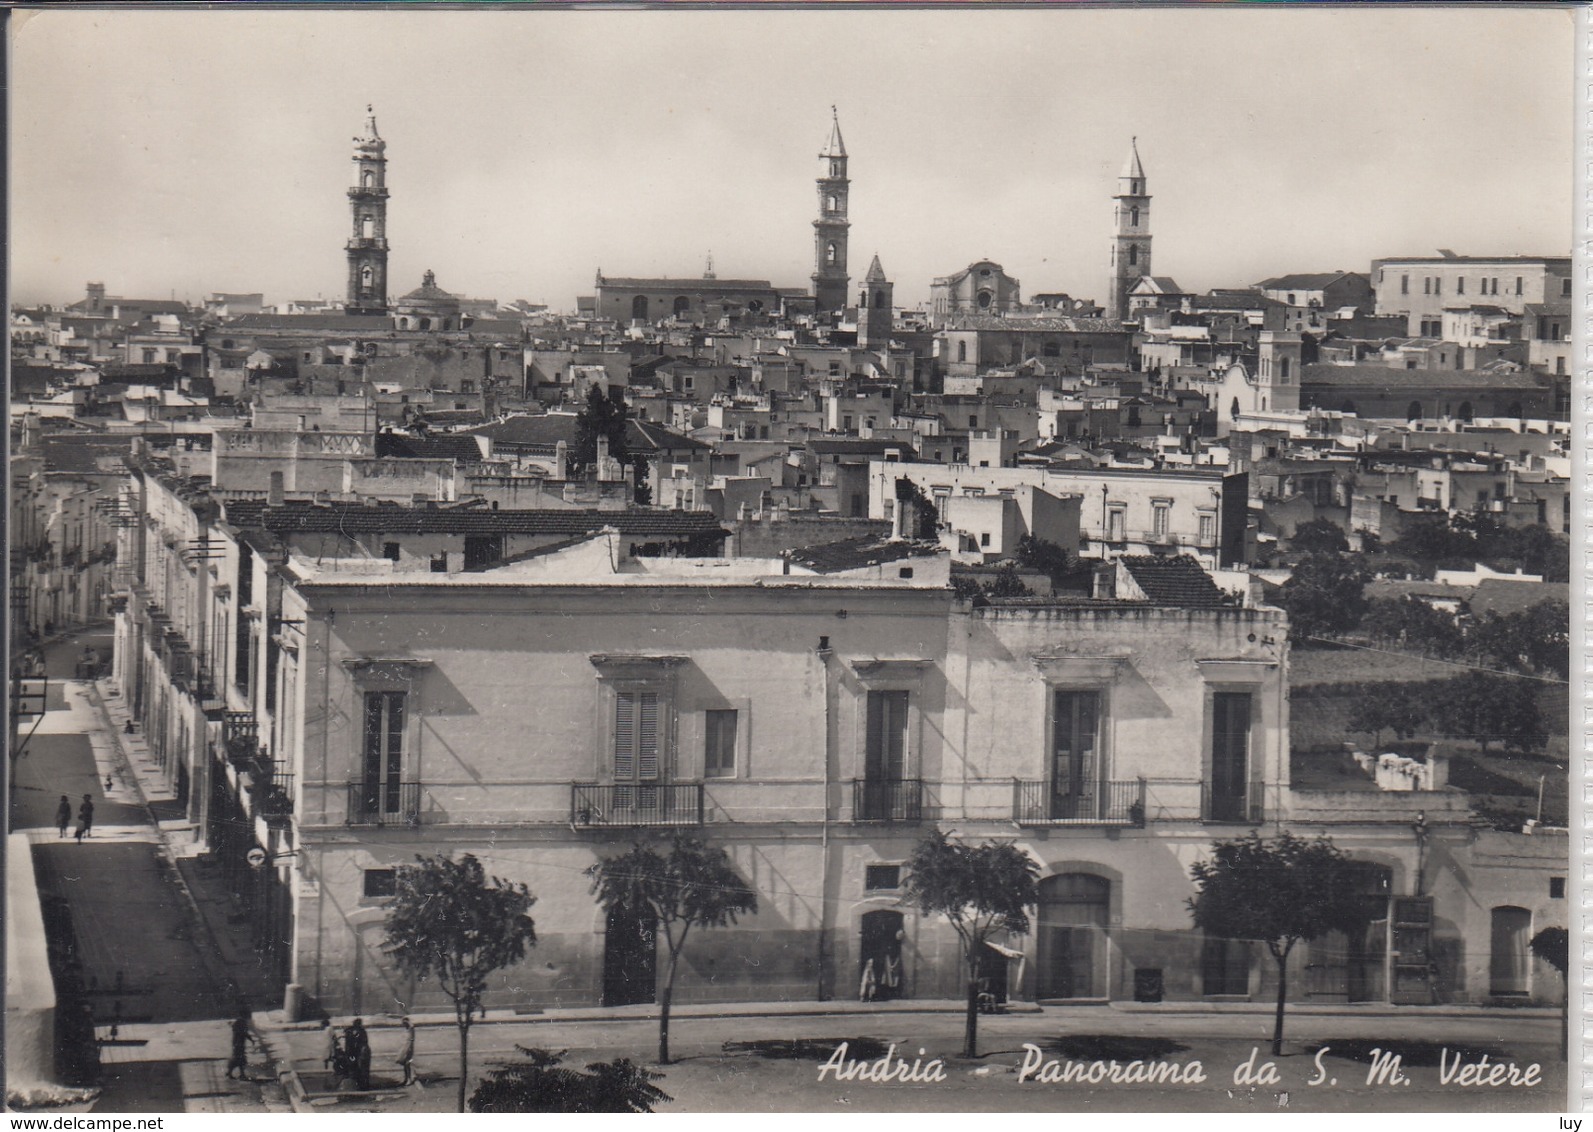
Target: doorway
{"x": 1072, "y": 936}
{"x": 881, "y": 945}
{"x": 630, "y": 958}
{"x": 1352, "y": 966}
{"x": 1509, "y": 973}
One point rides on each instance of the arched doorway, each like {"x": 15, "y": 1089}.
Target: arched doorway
{"x": 639, "y": 308}
{"x": 1413, "y": 411}
{"x": 682, "y": 305}
{"x": 881, "y": 945}
{"x": 630, "y": 958}
{"x": 1350, "y": 966}
{"x": 1072, "y": 936}
{"x": 1465, "y": 411}
{"x": 1509, "y": 973}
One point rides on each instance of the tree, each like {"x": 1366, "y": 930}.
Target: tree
{"x": 1325, "y": 594}
{"x": 603, "y": 415}
{"x": 1553, "y": 946}
{"x": 1319, "y": 536}
{"x": 1486, "y": 706}
{"x": 979, "y": 889}
{"x": 1047, "y": 557}
{"x": 1536, "y": 639}
{"x": 1410, "y": 621}
{"x": 1400, "y": 708}
{"x": 448, "y": 922}
{"x": 693, "y": 886}
{"x": 1280, "y": 892}
{"x": 541, "y": 1084}
{"x": 1006, "y": 583}
{"x": 921, "y": 519}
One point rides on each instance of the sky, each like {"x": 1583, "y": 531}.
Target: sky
{"x": 180, "y": 153}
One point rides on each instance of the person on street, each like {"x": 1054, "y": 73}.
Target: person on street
{"x": 406, "y": 1053}
{"x": 329, "y": 1052}
{"x": 127, "y": 728}
{"x": 357, "y": 1048}
{"x": 63, "y": 814}
{"x": 85, "y": 818}
{"x": 241, "y": 1037}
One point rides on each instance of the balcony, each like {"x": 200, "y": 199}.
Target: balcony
{"x": 888, "y": 801}
{"x": 1235, "y": 809}
{"x": 1099, "y": 803}
{"x": 240, "y": 733}
{"x": 598, "y": 805}
{"x": 383, "y": 803}
{"x": 272, "y": 793}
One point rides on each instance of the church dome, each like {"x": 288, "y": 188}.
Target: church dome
{"x": 429, "y": 298}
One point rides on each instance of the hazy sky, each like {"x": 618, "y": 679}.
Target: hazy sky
{"x": 209, "y": 151}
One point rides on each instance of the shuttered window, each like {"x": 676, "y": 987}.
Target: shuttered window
{"x": 635, "y": 736}
{"x": 886, "y": 755}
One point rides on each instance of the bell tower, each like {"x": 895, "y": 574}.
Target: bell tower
{"x": 830, "y": 280}
{"x": 874, "y": 308}
{"x": 1131, "y": 240}
{"x": 367, "y": 246}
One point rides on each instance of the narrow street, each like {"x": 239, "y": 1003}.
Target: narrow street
{"x": 142, "y": 952}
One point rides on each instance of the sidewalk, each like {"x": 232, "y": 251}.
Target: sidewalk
{"x": 152, "y": 975}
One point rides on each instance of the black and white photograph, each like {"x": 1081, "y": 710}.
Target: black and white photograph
{"x": 792, "y": 560}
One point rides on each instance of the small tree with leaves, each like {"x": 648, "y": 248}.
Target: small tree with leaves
{"x": 450, "y": 922}
{"x": 1319, "y": 536}
{"x": 1325, "y": 594}
{"x": 980, "y": 890}
{"x": 540, "y": 1083}
{"x": 1279, "y": 892}
{"x": 692, "y": 886}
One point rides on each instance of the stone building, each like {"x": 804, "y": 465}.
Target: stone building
{"x": 1131, "y": 239}
{"x": 981, "y": 288}
{"x": 367, "y": 245}
{"x": 831, "y": 281}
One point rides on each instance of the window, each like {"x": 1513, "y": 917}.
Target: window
{"x": 1133, "y": 216}
{"x": 367, "y": 227}
{"x": 973, "y": 421}
{"x": 243, "y": 658}
{"x": 1117, "y": 523}
{"x": 1556, "y": 888}
{"x": 885, "y": 751}
{"x": 1283, "y": 370}
{"x": 1160, "y": 515}
{"x": 439, "y": 562}
{"x": 382, "y": 764}
{"x": 1075, "y": 726}
{"x": 390, "y": 551}
{"x": 1460, "y": 285}
{"x": 1133, "y": 255}
{"x": 962, "y": 351}
{"x": 984, "y": 538}
{"x": 1518, "y": 284}
{"x": 380, "y": 883}
{"x": 1230, "y": 755}
{"x": 1427, "y": 284}
{"x": 830, "y": 254}
{"x": 636, "y": 734}
{"x": 1404, "y": 284}
{"x": 1208, "y": 528}
{"x": 877, "y": 878}
{"x": 1565, "y": 288}
{"x": 719, "y": 750}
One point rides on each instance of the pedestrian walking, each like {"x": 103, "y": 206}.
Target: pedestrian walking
{"x": 866, "y": 989}
{"x": 63, "y": 814}
{"x": 241, "y": 1037}
{"x": 127, "y": 728}
{"x": 85, "y": 818}
{"x": 357, "y": 1048}
{"x": 406, "y": 1053}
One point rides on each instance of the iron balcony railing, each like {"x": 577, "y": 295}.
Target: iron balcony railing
{"x": 1240, "y": 809}
{"x": 1095, "y": 803}
{"x": 895, "y": 800}
{"x": 272, "y": 791}
{"x": 384, "y": 803}
{"x": 595, "y": 804}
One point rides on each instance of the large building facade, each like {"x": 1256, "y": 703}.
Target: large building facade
{"x": 1423, "y": 287}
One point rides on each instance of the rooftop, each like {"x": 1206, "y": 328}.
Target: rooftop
{"x": 1176, "y": 580}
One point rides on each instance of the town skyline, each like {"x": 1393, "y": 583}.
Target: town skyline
{"x": 611, "y": 171}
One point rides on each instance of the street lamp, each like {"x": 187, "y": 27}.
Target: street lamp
{"x": 1419, "y": 828}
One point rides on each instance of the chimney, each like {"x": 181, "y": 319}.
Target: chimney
{"x": 274, "y": 492}
{"x": 561, "y": 455}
